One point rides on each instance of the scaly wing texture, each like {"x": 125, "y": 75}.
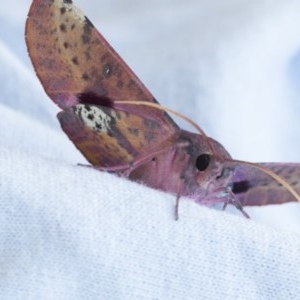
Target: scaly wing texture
{"x": 254, "y": 187}
{"x": 111, "y": 138}
{"x": 75, "y": 64}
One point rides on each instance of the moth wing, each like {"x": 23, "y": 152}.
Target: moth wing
{"x": 254, "y": 187}
{"x": 75, "y": 63}
{"x": 111, "y": 138}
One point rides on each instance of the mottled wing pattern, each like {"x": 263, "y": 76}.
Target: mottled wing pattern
{"x": 111, "y": 138}
{"x": 76, "y": 65}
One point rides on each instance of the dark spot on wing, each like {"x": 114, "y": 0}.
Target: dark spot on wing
{"x": 87, "y": 30}
{"x": 85, "y": 76}
{"x": 68, "y": 1}
{"x": 92, "y": 98}
{"x": 120, "y": 84}
{"x": 63, "y": 27}
{"x": 75, "y": 60}
{"x": 150, "y": 124}
{"x": 104, "y": 58}
{"x": 62, "y": 10}
{"x": 87, "y": 107}
{"x": 91, "y": 117}
{"x": 98, "y": 126}
{"x": 133, "y": 131}
{"x": 240, "y": 187}
{"x": 149, "y": 136}
{"x": 131, "y": 84}
{"x": 66, "y": 45}
{"x": 109, "y": 133}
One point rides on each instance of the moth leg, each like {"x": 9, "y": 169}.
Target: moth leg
{"x": 176, "y": 214}
{"x": 116, "y": 169}
{"x": 235, "y": 201}
{"x": 107, "y": 169}
{"x": 176, "y": 208}
{"x": 84, "y": 165}
{"x": 225, "y": 205}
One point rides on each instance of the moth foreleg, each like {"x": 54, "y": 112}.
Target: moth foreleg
{"x": 232, "y": 199}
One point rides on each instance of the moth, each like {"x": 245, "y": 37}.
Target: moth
{"x": 119, "y": 127}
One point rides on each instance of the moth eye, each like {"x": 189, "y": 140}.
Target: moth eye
{"x": 202, "y": 162}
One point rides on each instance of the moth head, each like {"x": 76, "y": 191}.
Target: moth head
{"x": 203, "y": 169}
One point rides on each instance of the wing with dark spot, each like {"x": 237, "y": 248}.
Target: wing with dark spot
{"x": 75, "y": 64}
{"x": 254, "y": 187}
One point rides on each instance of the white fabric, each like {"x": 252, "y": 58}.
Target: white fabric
{"x": 70, "y": 232}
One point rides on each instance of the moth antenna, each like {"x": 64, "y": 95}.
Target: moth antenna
{"x": 272, "y": 174}
{"x": 167, "y": 109}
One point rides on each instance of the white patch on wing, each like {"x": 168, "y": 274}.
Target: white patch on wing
{"x": 77, "y": 13}
{"x": 94, "y": 117}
